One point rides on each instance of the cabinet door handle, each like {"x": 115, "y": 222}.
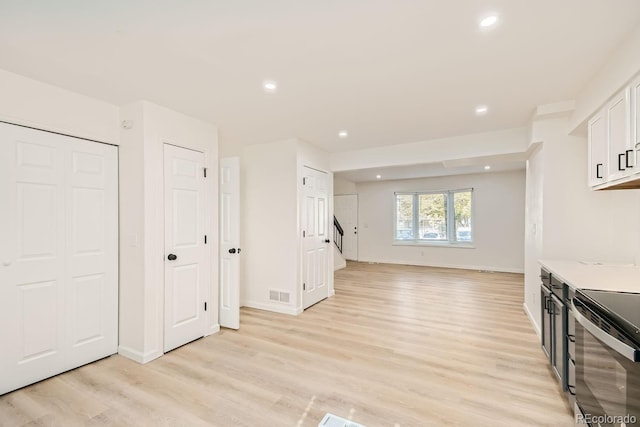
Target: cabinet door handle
{"x": 620, "y": 156}
{"x": 626, "y": 153}
{"x": 571, "y": 337}
{"x": 598, "y": 166}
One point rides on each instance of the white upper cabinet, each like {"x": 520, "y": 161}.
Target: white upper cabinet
{"x": 635, "y": 116}
{"x": 614, "y": 141}
{"x": 621, "y": 161}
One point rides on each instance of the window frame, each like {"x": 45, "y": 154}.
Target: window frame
{"x": 451, "y": 240}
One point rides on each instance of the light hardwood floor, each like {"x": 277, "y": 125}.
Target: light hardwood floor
{"x": 397, "y": 346}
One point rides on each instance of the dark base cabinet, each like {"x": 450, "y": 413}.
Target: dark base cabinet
{"x": 545, "y": 298}
{"x": 571, "y": 349}
{"x": 554, "y": 324}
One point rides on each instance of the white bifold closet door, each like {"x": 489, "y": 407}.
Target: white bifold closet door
{"x": 58, "y": 254}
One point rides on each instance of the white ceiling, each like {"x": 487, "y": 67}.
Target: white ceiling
{"x": 424, "y": 171}
{"x": 392, "y": 71}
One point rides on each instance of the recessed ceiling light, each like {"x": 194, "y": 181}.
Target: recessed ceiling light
{"x": 481, "y": 109}
{"x": 269, "y": 86}
{"x": 487, "y": 167}
{"x": 343, "y": 134}
{"x": 378, "y": 176}
{"x": 489, "y": 21}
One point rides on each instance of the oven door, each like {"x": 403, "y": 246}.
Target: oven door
{"x": 607, "y": 382}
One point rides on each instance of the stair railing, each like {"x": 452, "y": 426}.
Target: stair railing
{"x": 338, "y": 233}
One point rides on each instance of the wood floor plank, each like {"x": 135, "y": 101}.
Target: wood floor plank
{"x": 397, "y": 346}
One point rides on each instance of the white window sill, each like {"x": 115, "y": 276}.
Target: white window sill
{"x": 458, "y": 245}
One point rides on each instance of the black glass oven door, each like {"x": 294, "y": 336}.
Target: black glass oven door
{"x": 607, "y": 383}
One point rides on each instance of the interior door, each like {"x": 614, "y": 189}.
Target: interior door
{"x": 230, "y": 242}
{"x": 186, "y": 262}
{"x": 91, "y": 253}
{"x": 345, "y": 209}
{"x": 315, "y": 237}
{"x": 58, "y": 254}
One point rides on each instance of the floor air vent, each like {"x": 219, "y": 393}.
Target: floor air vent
{"x": 278, "y": 296}
{"x": 331, "y": 420}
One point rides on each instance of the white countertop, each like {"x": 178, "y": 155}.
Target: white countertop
{"x": 619, "y": 278}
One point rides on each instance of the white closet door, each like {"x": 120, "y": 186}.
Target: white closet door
{"x": 91, "y": 252}
{"x": 58, "y": 254}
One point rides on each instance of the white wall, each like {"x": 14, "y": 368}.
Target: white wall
{"x": 534, "y": 232}
{"x": 271, "y": 241}
{"x": 269, "y": 256}
{"x": 31, "y": 103}
{"x": 142, "y": 222}
{"x": 497, "y": 143}
{"x": 616, "y": 71}
{"x": 498, "y": 223}
{"x": 343, "y": 186}
{"x": 570, "y": 220}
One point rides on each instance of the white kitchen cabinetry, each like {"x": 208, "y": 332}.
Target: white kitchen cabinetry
{"x": 635, "y": 116}
{"x": 613, "y": 134}
{"x": 621, "y": 162}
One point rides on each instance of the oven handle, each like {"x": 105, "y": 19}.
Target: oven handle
{"x": 617, "y": 345}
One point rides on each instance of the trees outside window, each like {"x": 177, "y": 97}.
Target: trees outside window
{"x": 444, "y": 216}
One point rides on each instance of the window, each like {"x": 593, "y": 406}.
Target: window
{"x": 434, "y": 217}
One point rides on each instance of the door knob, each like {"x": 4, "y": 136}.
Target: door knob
{"x": 327, "y": 241}
{"x": 232, "y": 250}
{"x": 172, "y": 257}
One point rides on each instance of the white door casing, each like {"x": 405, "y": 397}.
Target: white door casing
{"x": 230, "y": 242}
{"x": 315, "y": 237}
{"x": 186, "y": 276}
{"x": 346, "y": 211}
{"x": 58, "y": 254}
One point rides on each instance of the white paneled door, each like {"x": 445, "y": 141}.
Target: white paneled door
{"x": 187, "y": 265}
{"x": 315, "y": 237}
{"x": 230, "y": 242}
{"x": 345, "y": 209}
{"x": 58, "y": 254}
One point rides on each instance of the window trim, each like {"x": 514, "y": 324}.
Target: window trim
{"x": 450, "y": 218}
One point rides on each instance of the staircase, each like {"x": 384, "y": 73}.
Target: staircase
{"x": 338, "y": 260}
{"x": 338, "y": 233}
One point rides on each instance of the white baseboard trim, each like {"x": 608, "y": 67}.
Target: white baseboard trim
{"x": 462, "y": 267}
{"x": 272, "y": 307}
{"x": 536, "y": 328}
{"x": 332, "y": 293}
{"x": 137, "y": 356}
